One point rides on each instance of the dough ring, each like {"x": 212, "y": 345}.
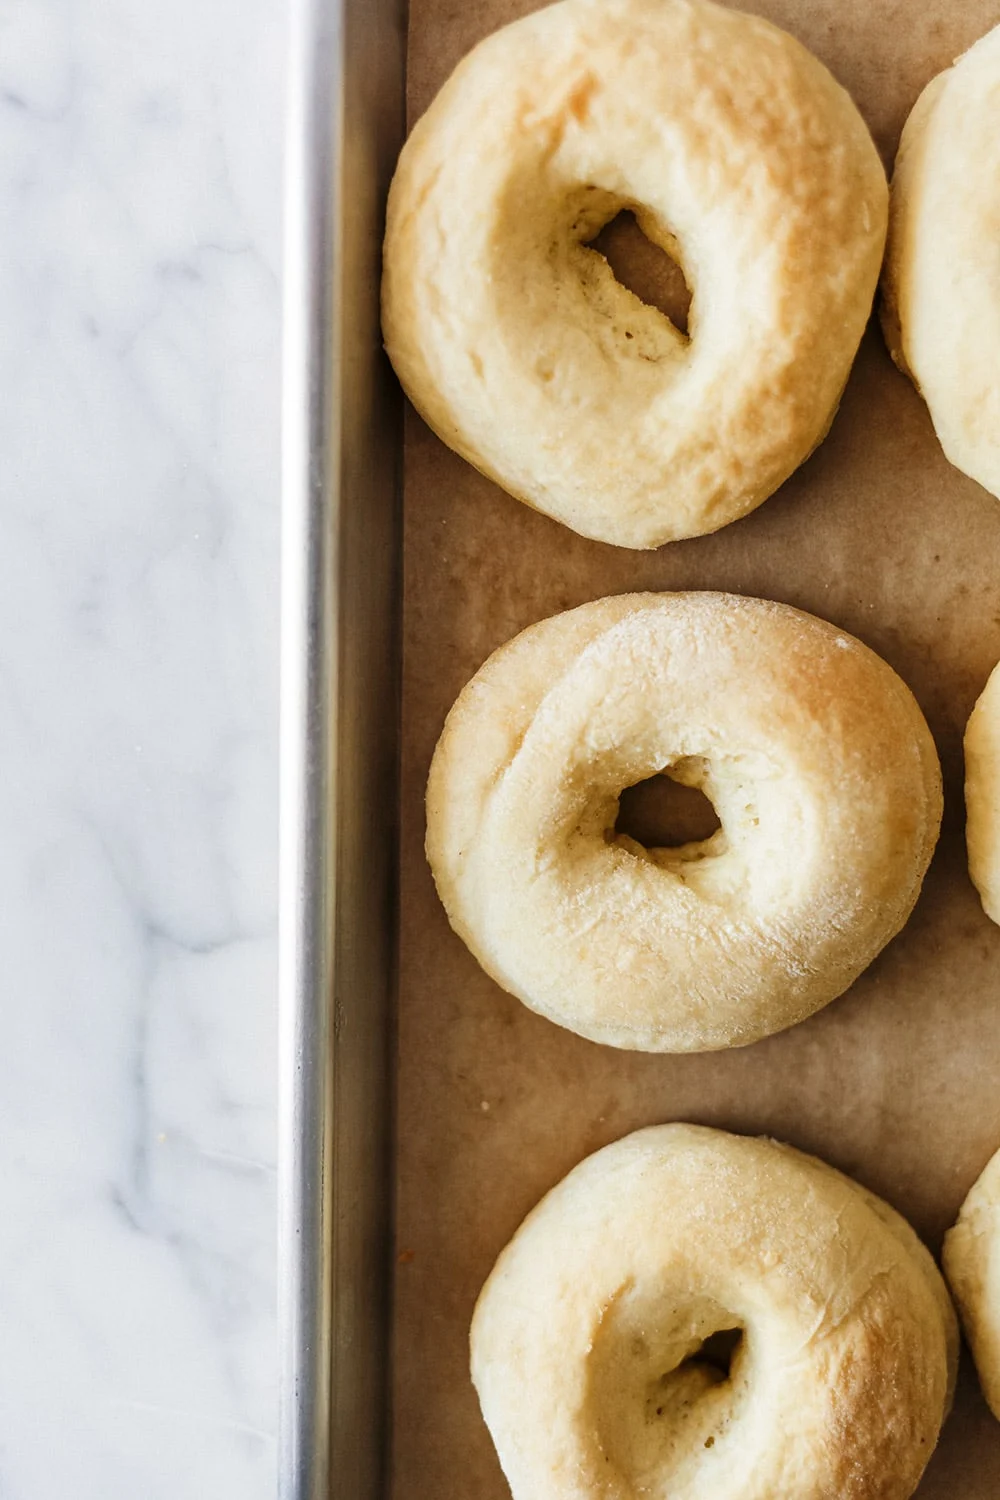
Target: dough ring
{"x": 972, "y": 1265}
{"x": 941, "y": 285}
{"x": 819, "y": 764}
{"x": 596, "y": 1347}
{"x": 982, "y": 795}
{"x": 740, "y": 156}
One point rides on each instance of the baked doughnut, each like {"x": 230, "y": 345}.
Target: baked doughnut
{"x": 592, "y": 1341}
{"x": 982, "y": 795}
{"x": 739, "y": 155}
{"x": 816, "y": 758}
{"x": 941, "y": 302}
{"x": 971, "y": 1259}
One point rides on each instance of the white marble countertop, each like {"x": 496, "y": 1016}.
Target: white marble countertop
{"x": 140, "y": 153}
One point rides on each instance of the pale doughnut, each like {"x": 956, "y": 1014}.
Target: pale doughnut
{"x": 816, "y": 757}
{"x": 586, "y": 1335}
{"x": 941, "y": 307}
{"x": 982, "y": 795}
{"x": 740, "y": 155}
{"x": 972, "y": 1265}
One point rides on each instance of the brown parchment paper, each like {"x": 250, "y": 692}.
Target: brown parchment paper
{"x": 896, "y": 1082}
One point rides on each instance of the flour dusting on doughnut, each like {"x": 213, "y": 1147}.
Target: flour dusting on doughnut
{"x": 708, "y": 1317}
{"x": 814, "y": 754}
{"x": 740, "y": 156}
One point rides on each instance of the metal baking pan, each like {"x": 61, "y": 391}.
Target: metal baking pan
{"x": 339, "y": 712}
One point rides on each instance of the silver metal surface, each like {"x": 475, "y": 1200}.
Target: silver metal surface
{"x": 340, "y": 649}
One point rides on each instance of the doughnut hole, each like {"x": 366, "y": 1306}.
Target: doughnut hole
{"x": 671, "y": 817}
{"x": 666, "y": 1379}
{"x": 587, "y": 270}
{"x": 648, "y": 270}
{"x": 729, "y": 836}
{"x": 664, "y": 812}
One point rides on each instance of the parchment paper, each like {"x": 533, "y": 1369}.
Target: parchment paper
{"x": 896, "y": 1082}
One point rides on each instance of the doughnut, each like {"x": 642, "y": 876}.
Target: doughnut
{"x": 814, "y": 754}
{"x": 740, "y": 157}
{"x": 941, "y": 288}
{"x": 971, "y": 1259}
{"x": 982, "y": 795}
{"x": 696, "y": 1314}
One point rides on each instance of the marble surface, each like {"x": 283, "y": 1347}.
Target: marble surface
{"x": 140, "y": 165}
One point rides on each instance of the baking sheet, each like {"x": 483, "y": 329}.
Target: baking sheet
{"x": 896, "y": 1082}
